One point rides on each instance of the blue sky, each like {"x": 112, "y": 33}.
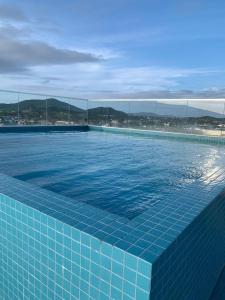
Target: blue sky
{"x": 113, "y": 49}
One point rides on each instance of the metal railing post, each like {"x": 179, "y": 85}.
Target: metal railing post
{"x": 187, "y": 115}
{"x": 87, "y": 112}
{"x": 129, "y": 112}
{"x": 68, "y": 112}
{"x": 18, "y": 109}
{"x": 223, "y": 125}
{"x": 46, "y": 111}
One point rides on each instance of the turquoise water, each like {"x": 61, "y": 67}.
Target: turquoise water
{"x": 121, "y": 174}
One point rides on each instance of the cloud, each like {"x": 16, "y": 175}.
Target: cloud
{"x": 33, "y": 58}
{"x": 20, "y": 56}
{"x": 98, "y": 80}
{"x": 8, "y": 12}
{"x": 12, "y": 31}
{"x": 169, "y": 94}
{"x": 21, "y": 48}
{"x": 136, "y": 79}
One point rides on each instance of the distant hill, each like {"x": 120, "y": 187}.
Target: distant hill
{"x": 107, "y": 112}
{"x": 172, "y": 110}
{"x": 34, "y": 111}
{"x": 39, "y": 105}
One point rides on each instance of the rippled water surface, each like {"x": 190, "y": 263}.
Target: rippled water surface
{"x": 121, "y": 174}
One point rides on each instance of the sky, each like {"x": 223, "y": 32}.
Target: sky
{"x": 113, "y": 48}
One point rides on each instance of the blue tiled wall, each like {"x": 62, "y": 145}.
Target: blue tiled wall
{"x": 191, "y": 265}
{"x": 43, "y": 258}
{"x": 42, "y": 128}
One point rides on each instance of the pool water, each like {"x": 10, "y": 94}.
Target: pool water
{"x": 121, "y": 174}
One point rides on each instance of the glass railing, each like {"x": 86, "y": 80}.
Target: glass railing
{"x": 192, "y": 116}
{"x": 18, "y": 108}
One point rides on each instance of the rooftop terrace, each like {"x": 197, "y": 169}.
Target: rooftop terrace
{"x": 175, "y": 247}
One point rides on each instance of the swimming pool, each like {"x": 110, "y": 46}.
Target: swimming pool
{"x": 94, "y": 215}
{"x": 124, "y": 175}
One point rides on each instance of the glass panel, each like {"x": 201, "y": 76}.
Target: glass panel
{"x": 143, "y": 115}
{"x": 108, "y": 113}
{"x": 32, "y": 109}
{"x": 223, "y": 124}
{"x": 66, "y": 111}
{"x": 206, "y": 117}
{"x": 9, "y": 108}
{"x": 172, "y": 115}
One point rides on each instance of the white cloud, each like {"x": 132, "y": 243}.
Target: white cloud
{"x": 102, "y": 80}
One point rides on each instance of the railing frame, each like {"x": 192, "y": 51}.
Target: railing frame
{"x": 88, "y": 103}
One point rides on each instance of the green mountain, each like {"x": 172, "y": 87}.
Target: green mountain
{"x": 36, "y": 111}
